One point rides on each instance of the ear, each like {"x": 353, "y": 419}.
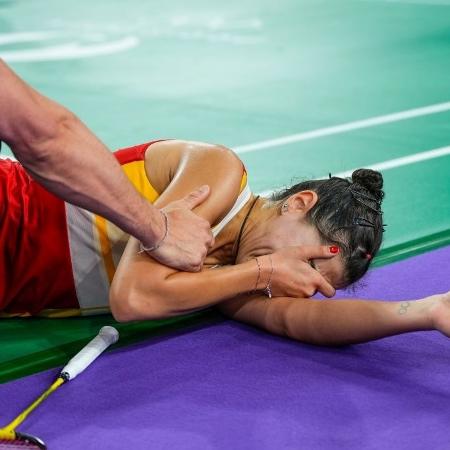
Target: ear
{"x": 302, "y": 201}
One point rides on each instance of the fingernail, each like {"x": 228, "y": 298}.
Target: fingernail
{"x": 334, "y": 249}
{"x": 203, "y": 188}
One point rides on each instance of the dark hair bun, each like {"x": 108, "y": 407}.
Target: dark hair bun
{"x": 370, "y": 180}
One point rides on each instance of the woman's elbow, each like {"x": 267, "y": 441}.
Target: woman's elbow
{"x": 129, "y": 305}
{"x": 120, "y": 309}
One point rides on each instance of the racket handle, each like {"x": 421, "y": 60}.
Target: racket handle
{"x": 106, "y": 336}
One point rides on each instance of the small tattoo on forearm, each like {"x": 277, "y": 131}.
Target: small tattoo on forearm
{"x": 404, "y": 308}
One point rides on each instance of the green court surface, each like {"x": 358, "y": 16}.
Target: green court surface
{"x": 273, "y": 80}
{"x": 33, "y": 345}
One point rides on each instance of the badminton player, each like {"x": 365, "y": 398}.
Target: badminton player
{"x": 268, "y": 258}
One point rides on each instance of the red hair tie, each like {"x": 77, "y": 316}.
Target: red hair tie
{"x": 368, "y": 256}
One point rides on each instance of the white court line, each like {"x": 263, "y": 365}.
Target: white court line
{"x": 15, "y": 38}
{"x": 384, "y": 165}
{"x": 390, "y": 163}
{"x": 71, "y": 50}
{"x": 337, "y": 129}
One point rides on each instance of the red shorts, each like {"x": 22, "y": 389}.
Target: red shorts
{"x": 33, "y": 245}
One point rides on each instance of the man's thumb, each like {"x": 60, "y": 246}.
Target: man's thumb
{"x": 197, "y": 197}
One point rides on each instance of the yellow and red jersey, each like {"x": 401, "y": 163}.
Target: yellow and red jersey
{"x": 57, "y": 259}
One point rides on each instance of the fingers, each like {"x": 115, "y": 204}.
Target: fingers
{"x": 196, "y": 263}
{"x": 196, "y": 197}
{"x": 190, "y": 237}
{"x": 308, "y": 252}
{"x": 324, "y": 287}
{"x": 206, "y": 236}
{"x": 192, "y": 268}
{"x": 321, "y": 252}
{"x": 315, "y": 282}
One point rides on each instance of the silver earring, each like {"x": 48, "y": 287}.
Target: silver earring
{"x": 285, "y": 207}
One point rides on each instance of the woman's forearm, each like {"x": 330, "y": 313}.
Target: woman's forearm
{"x": 141, "y": 298}
{"x": 340, "y": 322}
{"x": 333, "y": 322}
{"x": 188, "y": 292}
{"x": 137, "y": 296}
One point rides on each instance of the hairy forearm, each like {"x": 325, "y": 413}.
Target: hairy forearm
{"x": 67, "y": 159}
{"x": 77, "y": 167}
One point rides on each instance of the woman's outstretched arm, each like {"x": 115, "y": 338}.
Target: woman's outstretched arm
{"x": 340, "y": 322}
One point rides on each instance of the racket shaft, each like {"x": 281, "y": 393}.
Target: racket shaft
{"x": 106, "y": 337}
{"x": 9, "y": 429}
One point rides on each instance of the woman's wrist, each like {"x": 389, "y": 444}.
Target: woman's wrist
{"x": 264, "y": 276}
{"x": 429, "y": 308}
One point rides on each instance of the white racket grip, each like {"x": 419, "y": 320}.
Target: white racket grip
{"x": 106, "y": 336}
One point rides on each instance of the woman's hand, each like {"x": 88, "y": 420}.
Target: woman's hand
{"x": 293, "y": 275}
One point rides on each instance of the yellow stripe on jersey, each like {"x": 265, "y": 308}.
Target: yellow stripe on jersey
{"x": 105, "y": 247}
{"x": 57, "y": 313}
{"x": 135, "y": 172}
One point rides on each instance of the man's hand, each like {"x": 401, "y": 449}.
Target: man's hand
{"x": 294, "y": 277}
{"x": 189, "y": 236}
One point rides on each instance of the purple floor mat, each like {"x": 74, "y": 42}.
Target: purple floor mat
{"x": 229, "y": 386}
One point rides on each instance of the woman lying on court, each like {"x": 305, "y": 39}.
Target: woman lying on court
{"x": 60, "y": 260}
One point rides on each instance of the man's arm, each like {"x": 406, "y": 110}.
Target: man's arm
{"x": 62, "y": 154}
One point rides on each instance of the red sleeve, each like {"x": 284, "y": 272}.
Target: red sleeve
{"x": 135, "y": 153}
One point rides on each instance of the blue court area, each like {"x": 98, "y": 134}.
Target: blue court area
{"x": 298, "y": 89}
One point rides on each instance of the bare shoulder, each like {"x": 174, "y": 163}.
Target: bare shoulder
{"x": 173, "y": 151}
{"x": 176, "y": 167}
